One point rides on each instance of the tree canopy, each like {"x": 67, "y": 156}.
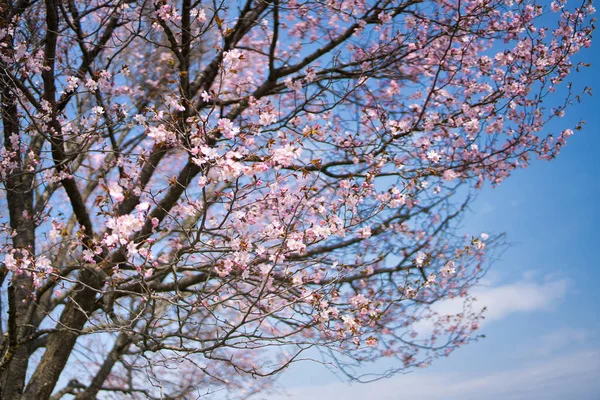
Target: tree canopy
{"x": 195, "y": 193}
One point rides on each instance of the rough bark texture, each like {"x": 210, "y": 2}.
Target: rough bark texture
{"x": 20, "y": 204}
{"x": 60, "y": 344}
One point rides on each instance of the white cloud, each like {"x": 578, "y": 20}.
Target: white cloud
{"x": 571, "y": 376}
{"x": 504, "y": 300}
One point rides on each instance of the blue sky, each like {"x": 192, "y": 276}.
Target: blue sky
{"x": 543, "y": 325}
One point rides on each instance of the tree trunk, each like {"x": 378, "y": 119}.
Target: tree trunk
{"x": 19, "y": 193}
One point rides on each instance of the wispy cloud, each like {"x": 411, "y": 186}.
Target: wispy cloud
{"x": 519, "y": 297}
{"x": 503, "y": 300}
{"x": 557, "y": 340}
{"x": 570, "y": 376}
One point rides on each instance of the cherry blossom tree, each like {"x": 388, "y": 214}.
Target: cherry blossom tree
{"x": 195, "y": 194}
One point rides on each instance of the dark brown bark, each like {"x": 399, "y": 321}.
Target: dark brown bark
{"x": 60, "y": 344}
{"x": 74, "y": 316}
